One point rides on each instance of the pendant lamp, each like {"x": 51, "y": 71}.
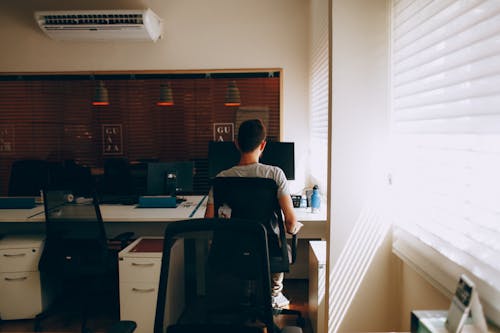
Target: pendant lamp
{"x": 166, "y": 96}
{"x": 232, "y": 95}
{"x": 100, "y": 95}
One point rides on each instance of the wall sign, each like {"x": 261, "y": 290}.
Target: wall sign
{"x": 112, "y": 139}
{"x": 6, "y": 139}
{"x": 223, "y": 132}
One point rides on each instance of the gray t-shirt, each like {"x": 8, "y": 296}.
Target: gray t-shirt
{"x": 258, "y": 170}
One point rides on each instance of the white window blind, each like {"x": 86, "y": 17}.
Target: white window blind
{"x": 319, "y": 74}
{"x": 446, "y": 141}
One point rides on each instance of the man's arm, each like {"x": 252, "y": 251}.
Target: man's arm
{"x": 291, "y": 224}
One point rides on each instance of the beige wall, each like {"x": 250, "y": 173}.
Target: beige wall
{"x": 198, "y": 34}
{"x": 417, "y": 294}
{"x": 359, "y": 130}
{"x": 384, "y": 289}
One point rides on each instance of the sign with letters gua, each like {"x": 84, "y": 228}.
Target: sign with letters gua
{"x": 223, "y": 132}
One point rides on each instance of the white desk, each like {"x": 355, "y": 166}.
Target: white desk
{"x": 317, "y": 274}
{"x": 193, "y": 207}
{"x": 117, "y": 218}
{"x": 146, "y": 221}
{"x": 314, "y": 223}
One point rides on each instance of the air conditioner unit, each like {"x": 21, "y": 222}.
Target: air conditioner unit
{"x": 140, "y": 25}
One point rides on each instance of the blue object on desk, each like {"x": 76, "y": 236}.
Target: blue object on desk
{"x": 157, "y": 201}
{"x": 17, "y": 202}
{"x": 315, "y": 199}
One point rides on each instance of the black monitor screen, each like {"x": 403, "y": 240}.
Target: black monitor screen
{"x": 280, "y": 154}
{"x": 224, "y": 155}
{"x": 170, "y": 178}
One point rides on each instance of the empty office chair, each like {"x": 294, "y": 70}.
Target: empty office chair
{"x": 256, "y": 199}
{"x": 27, "y": 177}
{"x": 76, "y": 256}
{"x": 69, "y": 174}
{"x": 215, "y": 278}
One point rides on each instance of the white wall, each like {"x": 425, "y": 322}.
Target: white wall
{"x": 360, "y": 47}
{"x": 198, "y": 34}
{"x": 385, "y": 290}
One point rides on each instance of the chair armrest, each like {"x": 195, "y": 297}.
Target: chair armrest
{"x": 294, "y": 248}
{"x": 123, "y": 326}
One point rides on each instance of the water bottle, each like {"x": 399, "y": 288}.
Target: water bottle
{"x": 303, "y": 201}
{"x": 315, "y": 200}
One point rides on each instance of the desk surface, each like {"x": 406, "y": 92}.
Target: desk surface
{"x": 193, "y": 207}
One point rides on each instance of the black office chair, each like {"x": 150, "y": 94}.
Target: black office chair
{"x": 28, "y": 177}
{"x": 69, "y": 174}
{"x": 215, "y": 278}
{"x": 256, "y": 199}
{"x": 76, "y": 254}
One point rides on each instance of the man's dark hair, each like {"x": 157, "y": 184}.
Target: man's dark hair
{"x": 250, "y": 134}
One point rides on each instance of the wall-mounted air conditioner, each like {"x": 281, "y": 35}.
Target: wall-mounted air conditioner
{"x": 141, "y": 24}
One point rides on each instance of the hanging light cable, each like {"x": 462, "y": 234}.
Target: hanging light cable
{"x": 232, "y": 95}
{"x": 166, "y": 96}
{"x": 101, "y": 97}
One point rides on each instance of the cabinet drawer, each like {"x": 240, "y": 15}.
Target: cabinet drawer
{"x": 138, "y": 303}
{"x": 21, "y": 295}
{"x": 19, "y": 260}
{"x": 140, "y": 270}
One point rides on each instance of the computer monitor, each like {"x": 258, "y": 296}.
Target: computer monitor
{"x": 281, "y": 154}
{"x": 224, "y": 155}
{"x": 170, "y": 178}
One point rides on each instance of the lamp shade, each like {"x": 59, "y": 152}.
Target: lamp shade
{"x": 166, "y": 96}
{"x": 232, "y": 95}
{"x": 100, "y": 95}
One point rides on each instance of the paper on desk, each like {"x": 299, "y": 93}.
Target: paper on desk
{"x": 296, "y": 229}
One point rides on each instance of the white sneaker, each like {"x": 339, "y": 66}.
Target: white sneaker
{"x": 280, "y": 301}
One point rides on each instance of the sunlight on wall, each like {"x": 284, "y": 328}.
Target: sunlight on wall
{"x": 347, "y": 274}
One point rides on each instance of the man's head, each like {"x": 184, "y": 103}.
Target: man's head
{"x": 250, "y": 135}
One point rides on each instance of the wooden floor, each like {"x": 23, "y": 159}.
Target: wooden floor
{"x": 106, "y": 312}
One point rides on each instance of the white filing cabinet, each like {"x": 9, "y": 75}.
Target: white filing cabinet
{"x": 139, "y": 269}
{"x": 317, "y": 275}
{"x": 22, "y": 296}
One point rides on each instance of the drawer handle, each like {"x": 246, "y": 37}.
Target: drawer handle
{"x": 8, "y": 255}
{"x": 140, "y": 290}
{"x": 16, "y": 279}
{"x": 143, "y": 264}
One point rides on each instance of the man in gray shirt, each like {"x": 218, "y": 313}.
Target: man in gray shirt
{"x": 251, "y": 143}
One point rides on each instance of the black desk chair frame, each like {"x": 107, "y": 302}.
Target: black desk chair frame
{"x": 256, "y": 199}
{"x": 76, "y": 246}
{"x": 236, "y": 258}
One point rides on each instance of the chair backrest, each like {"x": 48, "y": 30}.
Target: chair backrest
{"x": 69, "y": 174}
{"x": 214, "y": 278}
{"x": 28, "y": 177}
{"x": 76, "y": 242}
{"x": 255, "y": 199}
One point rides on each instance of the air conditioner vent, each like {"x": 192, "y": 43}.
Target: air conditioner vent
{"x": 93, "y": 19}
{"x": 101, "y": 25}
